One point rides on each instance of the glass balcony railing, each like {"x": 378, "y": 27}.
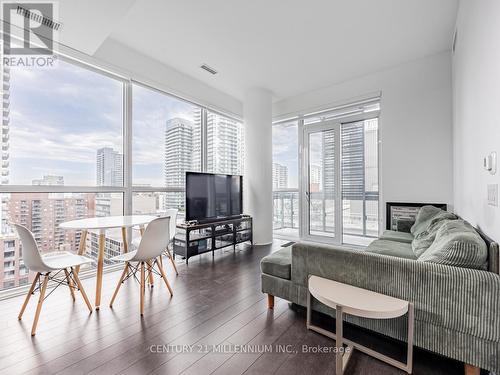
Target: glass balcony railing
{"x": 355, "y": 223}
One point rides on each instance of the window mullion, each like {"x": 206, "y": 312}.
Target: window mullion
{"x": 127, "y": 147}
{"x": 204, "y": 146}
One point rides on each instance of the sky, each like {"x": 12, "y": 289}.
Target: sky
{"x": 286, "y": 149}
{"x": 60, "y": 116}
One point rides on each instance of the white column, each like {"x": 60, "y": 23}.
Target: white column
{"x": 258, "y": 178}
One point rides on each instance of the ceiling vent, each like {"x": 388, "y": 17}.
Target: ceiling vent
{"x": 208, "y": 69}
{"x": 44, "y": 20}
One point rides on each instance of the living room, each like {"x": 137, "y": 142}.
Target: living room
{"x": 250, "y": 187}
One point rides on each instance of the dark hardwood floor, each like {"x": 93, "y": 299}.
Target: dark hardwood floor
{"x": 216, "y": 304}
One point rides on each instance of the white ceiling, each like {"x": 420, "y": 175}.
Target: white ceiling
{"x": 287, "y": 46}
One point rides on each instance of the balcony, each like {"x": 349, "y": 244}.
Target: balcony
{"x": 8, "y": 255}
{"x": 357, "y": 229}
{"x": 9, "y": 268}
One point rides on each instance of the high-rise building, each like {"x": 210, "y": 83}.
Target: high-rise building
{"x": 49, "y": 180}
{"x": 4, "y": 171}
{"x": 315, "y": 178}
{"x": 42, "y": 213}
{"x": 12, "y": 273}
{"x": 109, "y": 167}
{"x": 328, "y": 167}
{"x": 5, "y": 123}
{"x": 196, "y": 146}
{"x": 178, "y": 157}
{"x": 146, "y": 203}
{"x": 225, "y": 152}
{"x": 280, "y": 176}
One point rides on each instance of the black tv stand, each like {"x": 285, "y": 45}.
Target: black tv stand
{"x": 194, "y": 239}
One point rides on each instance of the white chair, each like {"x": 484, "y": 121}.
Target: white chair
{"x": 172, "y": 226}
{"x": 49, "y": 266}
{"x": 153, "y": 242}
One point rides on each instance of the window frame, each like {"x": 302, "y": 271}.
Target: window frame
{"x": 363, "y": 108}
{"x": 127, "y": 79}
{"x": 127, "y": 136}
{"x": 131, "y": 189}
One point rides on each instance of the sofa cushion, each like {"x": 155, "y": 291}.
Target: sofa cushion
{"x": 424, "y": 216}
{"x": 391, "y": 248}
{"x": 278, "y": 264}
{"x": 392, "y": 235}
{"x": 425, "y": 238}
{"x": 457, "y": 244}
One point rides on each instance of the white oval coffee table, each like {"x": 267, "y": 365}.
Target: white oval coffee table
{"x": 348, "y": 299}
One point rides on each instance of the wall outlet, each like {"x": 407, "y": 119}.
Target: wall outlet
{"x": 493, "y": 195}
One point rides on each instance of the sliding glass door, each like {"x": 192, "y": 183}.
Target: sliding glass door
{"x": 359, "y": 174}
{"x": 322, "y": 211}
{"x": 340, "y": 185}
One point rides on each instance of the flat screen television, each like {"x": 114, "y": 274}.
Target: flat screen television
{"x": 213, "y": 196}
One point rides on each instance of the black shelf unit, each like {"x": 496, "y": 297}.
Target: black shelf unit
{"x": 199, "y": 238}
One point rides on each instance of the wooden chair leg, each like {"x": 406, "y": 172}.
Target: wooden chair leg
{"x": 169, "y": 254}
{"x": 270, "y": 301}
{"x": 30, "y": 292}
{"x": 82, "y": 291}
{"x": 471, "y": 370}
{"x": 120, "y": 282}
{"x": 70, "y": 284}
{"x": 160, "y": 268}
{"x": 142, "y": 287}
{"x": 82, "y": 247}
{"x": 40, "y": 303}
{"x": 150, "y": 274}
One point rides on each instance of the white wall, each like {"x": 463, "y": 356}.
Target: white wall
{"x": 415, "y": 126}
{"x": 476, "y": 95}
{"x": 161, "y": 76}
{"x": 258, "y": 188}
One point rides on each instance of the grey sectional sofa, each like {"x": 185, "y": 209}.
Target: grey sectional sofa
{"x": 443, "y": 266}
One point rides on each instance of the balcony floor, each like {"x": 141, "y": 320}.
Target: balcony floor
{"x": 214, "y": 303}
{"x": 292, "y": 234}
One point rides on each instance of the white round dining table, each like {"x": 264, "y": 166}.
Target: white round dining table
{"x": 102, "y": 224}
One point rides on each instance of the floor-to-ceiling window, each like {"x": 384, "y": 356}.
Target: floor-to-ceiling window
{"x": 225, "y": 144}
{"x": 286, "y": 180}
{"x": 336, "y": 198}
{"x": 81, "y": 142}
{"x": 360, "y": 195}
{"x": 166, "y": 143}
{"x": 170, "y": 137}
{"x": 62, "y": 159}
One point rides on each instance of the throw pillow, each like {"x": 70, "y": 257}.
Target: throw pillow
{"x": 457, "y": 244}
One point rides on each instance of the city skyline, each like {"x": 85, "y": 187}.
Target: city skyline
{"x": 182, "y": 150}
{"x": 285, "y": 150}
{"x": 109, "y": 167}
{"x": 83, "y": 113}
{"x": 280, "y": 176}
{"x": 60, "y": 134}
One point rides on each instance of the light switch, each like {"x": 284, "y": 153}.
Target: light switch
{"x": 493, "y": 195}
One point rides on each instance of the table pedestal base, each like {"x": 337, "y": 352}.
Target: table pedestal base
{"x": 343, "y": 355}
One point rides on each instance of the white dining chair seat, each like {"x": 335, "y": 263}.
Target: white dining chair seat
{"x": 172, "y": 228}
{"x": 150, "y": 247}
{"x": 49, "y": 267}
{"x": 125, "y": 257}
{"x": 63, "y": 259}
